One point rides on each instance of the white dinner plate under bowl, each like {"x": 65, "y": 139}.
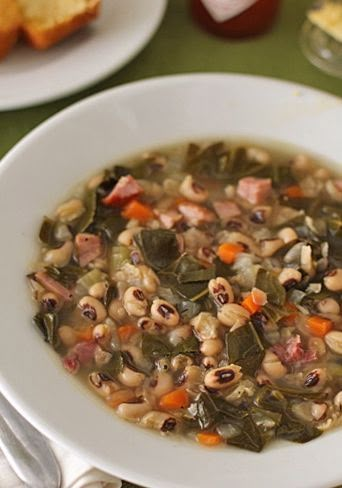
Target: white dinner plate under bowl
{"x": 30, "y": 77}
{"x": 40, "y": 171}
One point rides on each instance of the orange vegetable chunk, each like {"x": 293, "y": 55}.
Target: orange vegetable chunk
{"x": 174, "y": 400}
{"x": 229, "y": 251}
{"x": 319, "y": 326}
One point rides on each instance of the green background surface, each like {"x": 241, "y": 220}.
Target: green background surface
{"x": 180, "y": 46}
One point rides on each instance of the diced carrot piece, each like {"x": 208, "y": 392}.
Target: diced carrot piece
{"x": 174, "y": 400}
{"x": 319, "y": 326}
{"x": 249, "y": 305}
{"x": 125, "y": 332}
{"x": 293, "y": 191}
{"x": 137, "y": 210}
{"x": 85, "y": 334}
{"x": 228, "y": 252}
{"x": 209, "y": 438}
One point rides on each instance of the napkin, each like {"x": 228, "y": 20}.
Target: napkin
{"x": 76, "y": 473}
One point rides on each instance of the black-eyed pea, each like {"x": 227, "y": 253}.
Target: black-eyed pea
{"x": 273, "y": 366}
{"x": 317, "y": 345}
{"x": 162, "y": 383}
{"x": 306, "y": 260}
{"x": 51, "y": 302}
{"x": 206, "y": 326}
{"x": 159, "y": 421}
{"x": 193, "y": 375}
{"x": 181, "y": 361}
{"x": 102, "y": 383}
{"x": 60, "y": 256}
{"x": 333, "y": 340}
{"x": 221, "y": 291}
{"x": 92, "y": 309}
{"x": 135, "y": 302}
{"x": 333, "y": 280}
{"x": 70, "y": 210}
{"x": 338, "y": 401}
{"x": 287, "y": 234}
{"x": 268, "y": 247}
{"x": 220, "y": 378}
{"x": 179, "y": 334}
{"x": 102, "y": 333}
{"x": 67, "y": 335}
{"x": 149, "y": 325}
{"x": 98, "y": 290}
{"x": 130, "y": 378}
{"x": 116, "y": 310}
{"x": 289, "y": 277}
{"x": 193, "y": 191}
{"x": 136, "y": 355}
{"x": 315, "y": 379}
{"x": 233, "y": 314}
{"x": 133, "y": 411}
{"x": 164, "y": 313}
{"x": 328, "y": 305}
{"x": 163, "y": 364}
{"x": 211, "y": 347}
{"x": 149, "y": 279}
{"x": 101, "y": 357}
{"x": 209, "y": 362}
{"x": 126, "y": 237}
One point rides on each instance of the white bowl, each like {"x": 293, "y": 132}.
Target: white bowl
{"x": 39, "y": 172}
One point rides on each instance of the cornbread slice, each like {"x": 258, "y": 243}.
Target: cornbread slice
{"x": 328, "y": 17}
{"x": 10, "y": 21}
{"x": 45, "y": 22}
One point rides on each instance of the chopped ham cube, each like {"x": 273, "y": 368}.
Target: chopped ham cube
{"x": 226, "y": 209}
{"x": 82, "y": 353}
{"x": 168, "y": 218}
{"x": 292, "y": 352}
{"x": 195, "y": 214}
{"x": 254, "y": 190}
{"x": 124, "y": 190}
{"x": 52, "y": 285}
{"x": 88, "y": 248}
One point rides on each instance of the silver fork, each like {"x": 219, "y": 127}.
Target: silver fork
{"x": 27, "y": 451}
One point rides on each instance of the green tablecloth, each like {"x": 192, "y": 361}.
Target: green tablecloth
{"x": 180, "y": 46}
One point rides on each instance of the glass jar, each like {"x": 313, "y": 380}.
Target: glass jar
{"x": 235, "y": 18}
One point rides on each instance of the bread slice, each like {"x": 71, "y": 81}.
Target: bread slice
{"x": 10, "y": 21}
{"x": 46, "y": 22}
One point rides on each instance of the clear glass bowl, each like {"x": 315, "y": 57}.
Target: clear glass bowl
{"x": 321, "y": 49}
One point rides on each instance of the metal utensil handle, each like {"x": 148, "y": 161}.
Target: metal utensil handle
{"x": 26, "y": 450}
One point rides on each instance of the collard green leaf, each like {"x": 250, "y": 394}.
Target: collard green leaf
{"x": 158, "y": 246}
{"x": 47, "y": 233}
{"x": 114, "y": 366}
{"x": 188, "y": 309}
{"x": 249, "y": 438}
{"x": 245, "y": 349}
{"x": 154, "y": 347}
{"x": 67, "y": 276}
{"x": 205, "y": 274}
{"x": 187, "y": 346}
{"x": 270, "y": 399}
{"x": 48, "y": 324}
{"x": 294, "y": 430}
{"x": 108, "y": 221}
{"x": 111, "y": 293}
{"x": 269, "y": 283}
{"x": 87, "y": 217}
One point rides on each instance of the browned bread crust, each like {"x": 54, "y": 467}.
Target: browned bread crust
{"x": 10, "y": 20}
{"x": 41, "y": 37}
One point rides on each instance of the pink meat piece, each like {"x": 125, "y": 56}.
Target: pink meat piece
{"x": 124, "y": 190}
{"x": 168, "y": 218}
{"x": 338, "y": 184}
{"x": 81, "y": 353}
{"x": 292, "y": 352}
{"x": 254, "y": 190}
{"x": 52, "y": 285}
{"x": 226, "y": 209}
{"x": 196, "y": 214}
{"x": 88, "y": 247}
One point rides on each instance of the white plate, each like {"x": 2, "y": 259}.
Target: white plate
{"x": 38, "y": 173}
{"x": 29, "y": 77}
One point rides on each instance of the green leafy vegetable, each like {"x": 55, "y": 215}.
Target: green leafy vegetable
{"x": 48, "y": 324}
{"x": 270, "y": 399}
{"x": 296, "y": 431}
{"x": 269, "y": 283}
{"x": 158, "y": 246}
{"x": 187, "y": 346}
{"x": 111, "y": 293}
{"x": 154, "y": 347}
{"x": 245, "y": 349}
{"x": 205, "y": 274}
{"x": 88, "y": 215}
{"x": 249, "y": 437}
{"x": 114, "y": 366}
{"x": 188, "y": 309}
{"x": 67, "y": 276}
{"x": 47, "y": 233}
